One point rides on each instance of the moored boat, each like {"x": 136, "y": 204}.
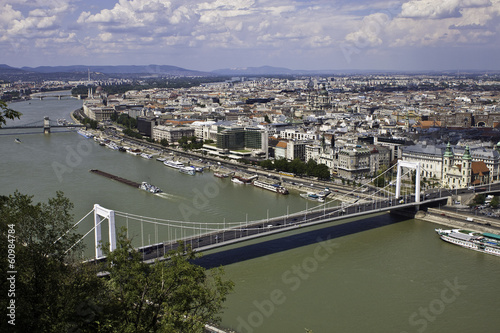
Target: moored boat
{"x": 85, "y": 134}
{"x": 174, "y": 164}
{"x": 146, "y": 156}
{"x": 220, "y": 175}
{"x": 277, "y": 188}
{"x": 189, "y": 170}
{"x": 112, "y": 145}
{"x": 482, "y": 242}
{"x": 134, "y": 151}
{"x": 17, "y": 140}
{"x": 312, "y": 196}
{"x": 236, "y": 180}
{"x": 243, "y": 180}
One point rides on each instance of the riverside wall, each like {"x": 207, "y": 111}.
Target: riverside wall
{"x": 459, "y": 220}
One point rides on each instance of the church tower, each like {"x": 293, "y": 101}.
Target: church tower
{"x": 466, "y": 168}
{"x": 447, "y": 159}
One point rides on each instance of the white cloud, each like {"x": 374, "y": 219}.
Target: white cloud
{"x": 257, "y": 29}
{"x": 429, "y": 23}
{"x": 439, "y": 9}
{"x": 369, "y": 35}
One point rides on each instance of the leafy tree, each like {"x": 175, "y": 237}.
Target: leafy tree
{"x": 53, "y": 291}
{"x": 479, "y": 199}
{"x": 173, "y": 295}
{"x": 7, "y": 113}
{"x": 322, "y": 172}
{"x": 132, "y": 133}
{"x": 266, "y": 119}
{"x": 379, "y": 181}
{"x": 311, "y": 167}
{"x": 56, "y": 292}
{"x": 164, "y": 142}
{"x": 267, "y": 164}
{"x": 281, "y": 165}
{"x": 190, "y": 143}
{"x": 297, "y": 167}
{"x": 495, "y": 202}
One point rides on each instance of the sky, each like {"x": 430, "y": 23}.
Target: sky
{"x": 206, "y": 35}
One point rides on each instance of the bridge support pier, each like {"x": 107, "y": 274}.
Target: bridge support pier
{"x": 46, "y": 125}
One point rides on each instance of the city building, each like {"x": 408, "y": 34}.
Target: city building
{"x": 171, "y": 133}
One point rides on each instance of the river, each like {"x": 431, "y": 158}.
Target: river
{"x": 377, "y": 274}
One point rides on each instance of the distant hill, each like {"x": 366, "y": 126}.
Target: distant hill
{"x": 263, "y": 70}
{"x": 149, "y": 69}
{"x": 6, "y": 69}
{"x": 270, "y": 70}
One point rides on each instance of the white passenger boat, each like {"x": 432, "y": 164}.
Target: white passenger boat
{"x": 189, "y": 170}
{"x": 112, "y": 145}
{"x": 277, "y": 188}
{"x": 146, "y": 156}
{"x": 174, "y": 164}
{"x": 483, "y": 242}
{"x": 236, "y": 180}
{"x": 85, "y": 133}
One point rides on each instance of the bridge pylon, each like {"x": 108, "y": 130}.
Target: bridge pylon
{"x": 46, "y": 125}
{"x": 100, "y": 214}
{"x": 411, "y": 165}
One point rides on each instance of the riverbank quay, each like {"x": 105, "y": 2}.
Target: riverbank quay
{"x": 301, "y": 184}
{"x": 462, "y": 220}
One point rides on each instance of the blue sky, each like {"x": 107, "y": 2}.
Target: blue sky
{"x": 208, "y": 35}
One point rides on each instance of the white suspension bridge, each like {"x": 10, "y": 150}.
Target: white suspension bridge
{"x": 364, "y": 200}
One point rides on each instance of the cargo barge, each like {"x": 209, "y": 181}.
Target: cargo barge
{"x": 120, "y": 179}
{"x": 144, "y": 186}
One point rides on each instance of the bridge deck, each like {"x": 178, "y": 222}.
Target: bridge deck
{"x": 276, "y": 225}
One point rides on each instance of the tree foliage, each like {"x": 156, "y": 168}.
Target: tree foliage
{"x": 190, "y": 143}
{"x": 56, "y": 292}
{"x": 125, "y": 120}
{"x": 495, "y": 201}
{"x": 51, "y": 289}
{"x": 7, "y": 113}
{"x": 164, "y": 142}
{"x": 132, "y": 133}
{"x": 173, "y": 295}
{"x": 479, "y": 199}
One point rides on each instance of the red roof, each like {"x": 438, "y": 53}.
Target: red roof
{"x": 480, "y": 168}
{"x": 281, "y": 144}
